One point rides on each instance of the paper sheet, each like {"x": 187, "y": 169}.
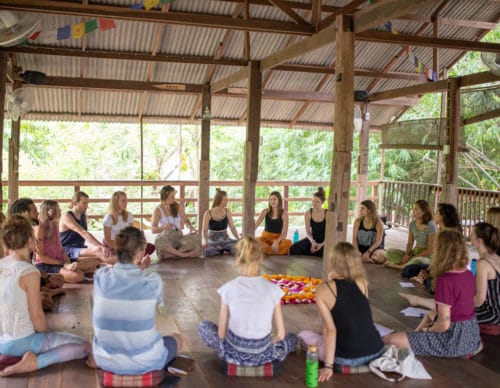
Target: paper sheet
{"x": 414, "y": 312}
{"x": 383, "y": 331}
{"x": 406, "y": 284}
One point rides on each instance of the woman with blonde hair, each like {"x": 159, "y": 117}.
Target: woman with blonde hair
{"x": 349, "y": 335}
{"x": 24, "y": 331}
{"x": 451, "y": 330}
{"x": 216, "y": 220}
{"x": 273, "y": 238}
{"x": 168, "y": 222}
{"x": 117, "y": 218}
{"x": 249, "y": 306}
{"x": 368, "y": 234}
{"x": 50, "y": 254}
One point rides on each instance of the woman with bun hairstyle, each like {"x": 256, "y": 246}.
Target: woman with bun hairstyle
{"x": 249, "y": 306}
{"x": 315, "y": 224}
{"x": 23, "y": 330}
{"x": 273, "y": 238}
{"x": 216, "y": 220}
{"x": 126, "y": 341}
{"x": 368, "y": 234}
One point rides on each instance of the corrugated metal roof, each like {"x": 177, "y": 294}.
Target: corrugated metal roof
{"x": 184, "y": 40}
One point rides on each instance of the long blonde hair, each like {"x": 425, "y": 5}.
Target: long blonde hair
{"x": 248, "y": 251}
{"x": 113, "y": 207}
{"x": 450, "y": 253}
{"x": 164, "y": 194}
{"x": 219, "y": 196}
{"x": 345, "y": 261}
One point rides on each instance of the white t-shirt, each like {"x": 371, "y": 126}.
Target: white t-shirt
{"x": 116, "y": 228}
{"x": 251, "y": 302}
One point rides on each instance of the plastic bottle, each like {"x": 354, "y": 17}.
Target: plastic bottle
{"x": 473, "y": 266}
{"x": 296, "y": 236}
{"x": 312, "y": 366}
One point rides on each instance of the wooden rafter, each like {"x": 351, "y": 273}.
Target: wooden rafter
{"x": 378, "y": 13}
{"x": 347, "y": 9}
{"x": 492, "y": 114}
{"x": 316, "y": 14}
{"x": 289, "y": 11}
{"x": 179, "y": 18}
{"x": 217, "y": 55}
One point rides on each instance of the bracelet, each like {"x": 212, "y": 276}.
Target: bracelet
{"x": 328, "y": 366}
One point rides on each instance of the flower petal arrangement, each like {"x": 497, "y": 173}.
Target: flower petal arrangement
{"x": 298, "y": 289}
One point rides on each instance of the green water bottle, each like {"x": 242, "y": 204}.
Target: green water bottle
{"x": 312, "y": 366}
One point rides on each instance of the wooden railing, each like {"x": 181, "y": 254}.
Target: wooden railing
{"x": 398, "y": 198}
{"x": 143, "y": 195}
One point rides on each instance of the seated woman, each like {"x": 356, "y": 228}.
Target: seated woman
{"x": 315, "y": 223}
{"x": 422, "y": 231}
{"x": 168, "y": 220}
{"x": 117, "y": 218}
{"x": 273, "y": 238}
{"x": 126, "y": 343}
{"x": 216, "y": 240}
{"x": 50, "y": 254}
{"x": 368, "y": 234}
{"x": 24, "y": 331}
{"x": 349, "y": 335}
{"x": 451, "y": 330}
{"x": 445, "y": 216}
{"x": 249, "y": 305}
{"x": 486, "y": 239}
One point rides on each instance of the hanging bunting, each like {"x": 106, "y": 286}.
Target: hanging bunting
{"x": 90, "y": 25}
{"x": 78, "y": 30}
{"x": 149, "y": 4}
{"x": 63, "y": 32}
{"x": 163, "y": 2}
{"x": 106, "y": 24}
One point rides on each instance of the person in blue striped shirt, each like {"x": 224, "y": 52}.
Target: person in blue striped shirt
{"x": 125, "y": 340}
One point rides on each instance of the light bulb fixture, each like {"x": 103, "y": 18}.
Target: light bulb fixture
{"x": 206, "y": 115}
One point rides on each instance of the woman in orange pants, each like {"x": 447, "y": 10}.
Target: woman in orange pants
{"x": 273, "y": 238}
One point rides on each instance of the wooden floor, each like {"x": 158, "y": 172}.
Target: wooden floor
{"x": 190, "y": 296}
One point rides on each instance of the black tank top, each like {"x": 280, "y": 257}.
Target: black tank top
{"x": 273, "y": 225}
{"x": 217, "y": 225}
{"x": 356, "y": 333}
{"x": 318, "y": 228}
{"x": 366, "y": 237}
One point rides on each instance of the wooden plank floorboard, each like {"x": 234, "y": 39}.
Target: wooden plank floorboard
{"x": 191, "y": 295}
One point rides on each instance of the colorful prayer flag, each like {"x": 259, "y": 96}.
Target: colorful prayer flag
{"x": 148, "y": 4}
{"x": 106, "y": 24}
{"x": 35, "y": 35}
{"x": 137, "y": 6}
{"x": 90, "y": 25}
{"x": 63, "y": 32}
{"x": 163, "y": 2}
{"x": 78, "y": 30}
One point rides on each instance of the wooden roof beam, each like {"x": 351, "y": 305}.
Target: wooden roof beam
{"x": 121, "y": 55}
{"x": 179, "y": 18}
{"x": 229, "y": 80}
{"x": 492, "y": 114}
{"x": 289, "y": 11}
{"x": 290, "y": 4}
{"x": 426, "y": 41}
{"x": 378, "y": 13}
{"x": 434, "y": 87}
{"x": 451, "y": 21}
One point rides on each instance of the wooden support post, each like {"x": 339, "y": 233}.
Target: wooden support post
{"x": 453, "y": 141}
{"x": 364, "y": 136}
{"x": 340, "y": 181}
{"x": 204, "y": 178}
{"x": 442, "y": 132}
{"x": 14, "y": 161}
{"x": 3, "y": 71}
{"x": 252, "y": 147}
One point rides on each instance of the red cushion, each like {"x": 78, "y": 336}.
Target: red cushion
{"x": 150, "y": 379}
{"x": 489, "y": 329}
{"x": 6, "y": 361}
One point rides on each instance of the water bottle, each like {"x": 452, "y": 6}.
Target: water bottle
{"x": 296, "y": 236}
{"x": 312, "y": 366}
{"x": 473, "y": 266}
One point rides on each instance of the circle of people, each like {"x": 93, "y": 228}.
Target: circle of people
{"x": 436, "y": 255}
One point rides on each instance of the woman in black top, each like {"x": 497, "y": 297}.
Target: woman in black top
{"x": 349, "y": 335}
{"x": 216, "y": 240}
{"x": 273, "y": 238}
{"x": 315, "y": 224}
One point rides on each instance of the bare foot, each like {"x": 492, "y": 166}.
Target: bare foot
{"x": 90, "y": 362}
{"x": 413, "y": 299}
{"x": 417, "y": 279}
{"x": 28, "y": 363}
